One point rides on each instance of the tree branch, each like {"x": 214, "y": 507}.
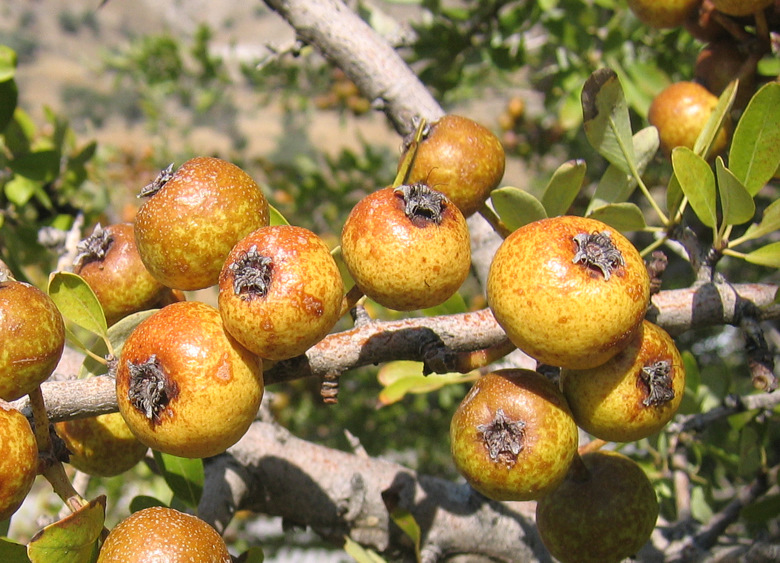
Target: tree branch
{"x": 339, "y": 494}
{"x": 420, "y": 339}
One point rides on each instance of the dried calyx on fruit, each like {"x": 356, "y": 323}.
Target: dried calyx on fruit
{"x": 598, "y": 251}
{"x": 659, "y": 384}
{"x": 150, "y": 389}
{"x": 421, "y": 203}
{"x": 503, "y": 437}
{"x": 252, "y": 274}
{"x": 156, "y": 185}
{"x": 94, "y": 247}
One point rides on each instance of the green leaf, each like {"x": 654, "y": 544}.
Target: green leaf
{"x": 718, "y": 118}
{"x": 117, "y": 334}
{"x": 606, "y": 120}
{"x": 9, "y": 97}
{"x": 770, "y": 222}
{"x": 7, "y": 63}
{"x": 403, "y": 377}
{"x": 623, "y": 217}
{"x": 516, "y": 207}
{"x": 72, "y": 539}
{"x": 41, "y": 166}
{"x": 77, "y": 302}
{"x": 19, "y": 190}
{"x": 736, "y": 203}
{"x": 755, "y": 148}
{"x": 749, "y": 451}
{"x": 768, "y": 255}
{"x": 360, "y": 554}
{"x": 183, "y": 475}
{"x": 697, "y": 182}
{"x": 700, "y": 508}
{"x": 276, "y": 218}
{"x": 563, "y": 187}
{"x": 402, "y": 518}
{"x": 615, "y": 185}
{"x": 674, "y": 195}
{"x": 140, "y": 502}
{"x": 254, "y": 554}
{"x": 12, "y": 551}
{"x": 763, "y": 510}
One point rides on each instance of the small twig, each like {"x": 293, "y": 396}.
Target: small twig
{"x": 731, "y": 404}
{"x": 759, "y": 358}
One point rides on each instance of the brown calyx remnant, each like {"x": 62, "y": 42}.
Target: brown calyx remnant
{"x": 251, "y": 274}
{"x": 93, "y": 248}
{"x": 503, "y": 437}
{"x": 150, "y": 390}
{"x": 162, "y": 178}
{"x": 659, "y": 383}
{"x": 596, "y": 250}
{"x": 422, "y": 204}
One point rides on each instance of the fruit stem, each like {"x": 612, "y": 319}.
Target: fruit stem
{"x": 593, "y": 446}
{"x": 411, "y": 154}
{"x": 51, "y": 468}
{"x": 351, "y": 300}
{"x": 653, "y": 245}
{"x": 41, "y": 420}
{"x": 495, "y": 221}
{"x": 635, "y": 173}
{"x": 468, "y": 361}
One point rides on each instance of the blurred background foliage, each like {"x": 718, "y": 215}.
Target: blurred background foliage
{"x": 518, "y": 67}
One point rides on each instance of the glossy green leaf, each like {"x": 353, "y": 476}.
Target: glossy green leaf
{"x": 7, "y": 63}
{"x": 254, "y": 554}
{"x": 19, "y": 190}
{"x": 769, "y": 223}
{"x": 117, "y": 334}
{"x": 700, "y": 508}
{"x": 615, "y": 185}
{"x": 12, "y": 551}
{"x": 768, "y": 255}
{"x": 77, "y": 302}
{"x": 674, "y": 195}
{"x": 755, "y": 148}
{"x": 718, "y": 118}
{"x": 623, "y": 217}
{"x": 183, "y": 475}
{"x": 563, "y": 187}
{"x": 140, "y": 502}
{"x": 697, "y": 183}
{"x": 606, "y": 120}
{"x": 361, "y": 554}
{"x": 276, "y": 218}
{"x": 402, "y": 518}
{"x": 41, "y": 166}
{"x": 736, "y": 203}
{"x": 72, "y": 539}
{"x": 763, "y": 510}
{"x": 402, "y": 377}
{"x": 516, "y": 207}
{"x": 9, "y": 97}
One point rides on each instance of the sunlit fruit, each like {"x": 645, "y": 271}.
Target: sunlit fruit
{"x": 513, "y": 437}
{"x": 193, "y": 216}
{"x": 568, "y": 291}
{"x": 19, "y": 461}
{"x": 184, "y": 385}
{"x": 680, "y": 112}
{"x": 632, "y": 395}
{"x": 407, "y": 248}
{"x": 280, "y": 291}
{"x": 460, "y": 158}
{"x": 101, "y": 445}
{"x": 663, "y": 13}
{"x": 32, "y": 338}
{"x": 109, "y": 262}
{"x": 164, "y": 535}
